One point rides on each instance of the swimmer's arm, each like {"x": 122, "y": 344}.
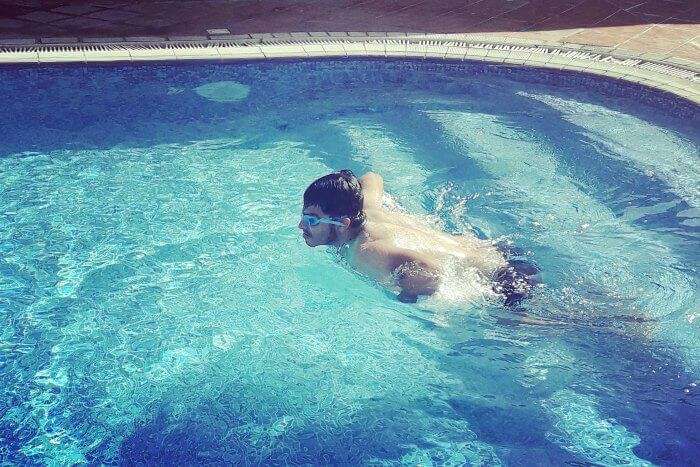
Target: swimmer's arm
{"x": 372, "y": 189}
{"x": 414, "y": 276}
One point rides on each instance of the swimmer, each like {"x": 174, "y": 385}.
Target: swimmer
{"x": 397, "y": 249}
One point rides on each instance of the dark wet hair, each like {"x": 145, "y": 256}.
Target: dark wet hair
{"x": 339, "y": 194}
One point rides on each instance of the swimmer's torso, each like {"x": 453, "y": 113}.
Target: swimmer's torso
{"x": 385, "y": 227}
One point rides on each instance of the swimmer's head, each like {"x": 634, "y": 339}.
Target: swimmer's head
{"x": 336, "y": 200}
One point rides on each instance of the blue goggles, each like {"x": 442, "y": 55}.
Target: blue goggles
{"x": 312, "y": 221}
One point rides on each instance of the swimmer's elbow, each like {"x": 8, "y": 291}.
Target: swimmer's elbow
{"x": 372, "y": 188}
{"x": 372, "y": 178}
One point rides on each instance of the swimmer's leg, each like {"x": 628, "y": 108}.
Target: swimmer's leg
{"x": 515, "y": 281}
{"x": 405, "y": 297}
{"x": 509, "y": 250}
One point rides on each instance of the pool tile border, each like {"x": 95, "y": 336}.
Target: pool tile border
{"x": 679, "y": 77}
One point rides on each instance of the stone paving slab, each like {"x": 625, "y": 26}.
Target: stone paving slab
{"x": 635, "y": 25}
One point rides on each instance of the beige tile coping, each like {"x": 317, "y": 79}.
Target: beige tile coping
{"x": 678, "y": 77}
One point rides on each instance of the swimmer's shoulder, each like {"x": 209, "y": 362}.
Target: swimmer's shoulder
{"x": 371, "y": 247}
{"x": 376, "y": 229}
{"x": 371, "y": 258}
{"x": 384, "y": 252}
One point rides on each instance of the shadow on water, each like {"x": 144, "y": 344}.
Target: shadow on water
{"x": 381, "y": 430}
{"x": 578, "y": 157}
{"x": 635, "y": 383}
{"x": 639, "y": 384}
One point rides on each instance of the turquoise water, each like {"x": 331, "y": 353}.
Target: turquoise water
{"x": 158, "y": 304}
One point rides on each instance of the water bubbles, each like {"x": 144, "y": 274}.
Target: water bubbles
{"x": 65, "y": 288}
{"x": 226, "y": 340}
{"x": 50, "y": 377}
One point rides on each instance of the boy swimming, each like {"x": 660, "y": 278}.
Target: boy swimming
{"x": 394, "y": 248}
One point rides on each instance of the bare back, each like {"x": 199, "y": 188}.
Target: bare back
{"x": 388, "y": 234}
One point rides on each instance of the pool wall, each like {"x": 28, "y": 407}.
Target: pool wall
{"x": 617, "y": 65}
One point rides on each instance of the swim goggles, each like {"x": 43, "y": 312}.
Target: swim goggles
{"x": 311, "y": 220}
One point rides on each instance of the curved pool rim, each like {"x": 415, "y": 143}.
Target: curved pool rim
{"x": 664, "y": 75}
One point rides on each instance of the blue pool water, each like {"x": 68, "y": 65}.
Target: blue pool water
{"x": 158, "y": 305}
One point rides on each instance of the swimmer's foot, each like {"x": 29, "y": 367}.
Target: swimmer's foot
{"x": 521, "y": 317}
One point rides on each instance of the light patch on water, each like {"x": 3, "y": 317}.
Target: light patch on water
{"x": 635, "y": 213}
{"x": 691, "y": 217}
{"x": 449, "y": 454}
{"x": 47, "y": 409}
{"x": 446, "y": 442}
{"x": 538, "y": 367}
{"x": 374, "y": 146}
{"x": 174, "y": 362}
{"x": 629, "y": 138}
{"x": 609, "y": 250}
{"x": 223, "y": 91}
{"x": 148, "y": 226}
{"x": 227, "y": 340}
{"x": 581, "y": 429}
{"x": 50, "y": 377}
{"x": 268, "y": 437}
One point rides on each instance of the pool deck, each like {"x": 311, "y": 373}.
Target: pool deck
{"x": 651, "y": 42}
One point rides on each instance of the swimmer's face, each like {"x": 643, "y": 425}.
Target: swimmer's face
{"x": 320, "y": 234}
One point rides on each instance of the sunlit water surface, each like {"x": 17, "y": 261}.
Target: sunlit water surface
{"x": 157, "y": 303}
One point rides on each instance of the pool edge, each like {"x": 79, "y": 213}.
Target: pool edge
{"x": 682, "y": 81}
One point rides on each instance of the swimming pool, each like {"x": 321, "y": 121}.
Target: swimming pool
{"x": 158, "y": 303}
